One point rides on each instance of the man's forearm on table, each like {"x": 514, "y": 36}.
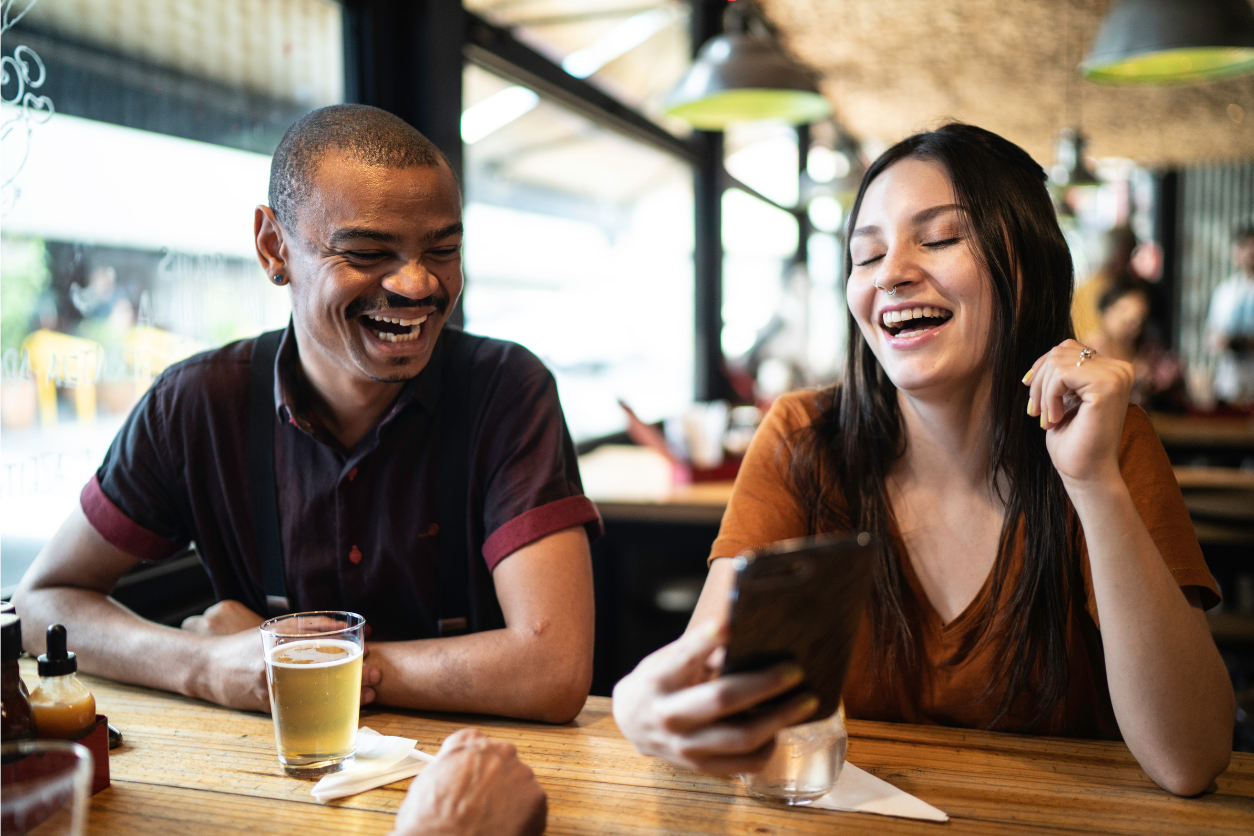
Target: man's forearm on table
{"x": 495, "y": 672}
{"x": 111, "y": 640}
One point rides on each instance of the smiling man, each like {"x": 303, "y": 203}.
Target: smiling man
{"x": 367, "y": 458}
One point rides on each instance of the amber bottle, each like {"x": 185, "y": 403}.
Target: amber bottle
{"x": 64, "y": 708}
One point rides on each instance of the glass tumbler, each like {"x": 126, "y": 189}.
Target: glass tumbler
{"x": 806, "y": 762}
{"x": 46, "y": 784}
{"x": 313, "y": 668}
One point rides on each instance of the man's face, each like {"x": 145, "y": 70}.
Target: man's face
{"x": 1243, "y": 254}
{"x": 375, "y": 266}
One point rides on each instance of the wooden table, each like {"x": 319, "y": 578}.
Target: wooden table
{"x": 191, "y": 768}
{"x": 701, "y": 503}
{"x": 1204, "y": 432}
{"x": 1195, "y": 477}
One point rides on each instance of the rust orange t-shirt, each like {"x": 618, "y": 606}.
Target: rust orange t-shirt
{"x": 764, "y": 510}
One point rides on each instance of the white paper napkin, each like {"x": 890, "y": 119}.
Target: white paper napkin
{"x": 380, "y": 760}
{"x": 858, "y": 791}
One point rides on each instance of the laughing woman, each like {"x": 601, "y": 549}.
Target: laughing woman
{"x": 1037, "y": 570}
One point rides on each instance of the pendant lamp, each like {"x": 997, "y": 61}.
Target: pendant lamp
{"x": 744, "y": 75}
{"x": 1070, "y": 167}
{"x": 1171, "y": 41}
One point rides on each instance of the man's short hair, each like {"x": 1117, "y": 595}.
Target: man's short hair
{"x": 367, "y": 134}
{"x": 1243, "y": 232}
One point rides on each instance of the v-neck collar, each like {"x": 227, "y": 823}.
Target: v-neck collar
{"x": 975, "y": 608}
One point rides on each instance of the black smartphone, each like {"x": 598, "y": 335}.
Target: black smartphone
{"x": 801, "y": 600}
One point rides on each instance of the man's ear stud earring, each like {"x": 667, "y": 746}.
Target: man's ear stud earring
{"x": 278, "y": 278}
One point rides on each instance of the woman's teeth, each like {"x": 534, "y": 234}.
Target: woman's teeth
{"x": 891, "y": 318}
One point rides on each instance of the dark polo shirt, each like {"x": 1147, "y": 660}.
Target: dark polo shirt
{"x": 359, "y": 528}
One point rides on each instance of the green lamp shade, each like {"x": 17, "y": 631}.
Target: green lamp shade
{"x": 715, "y": 111}
{"x": 1175, "y": 65}
{"x": 1172, "y": 41}
{"x": 742, "y": 77}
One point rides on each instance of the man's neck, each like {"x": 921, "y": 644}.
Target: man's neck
{"x": 348, "y": 407}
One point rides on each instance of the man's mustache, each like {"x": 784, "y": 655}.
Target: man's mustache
{"x": 357, "y": 307}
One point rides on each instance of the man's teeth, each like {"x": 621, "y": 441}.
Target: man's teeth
{"x": 406, "y": 322}
{"x": 389, "y": 337}
{"x": 907, "y": 314}
{"x": 397, "y": 338}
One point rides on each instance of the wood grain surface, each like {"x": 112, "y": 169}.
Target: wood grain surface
{"x": 188, "y": 767}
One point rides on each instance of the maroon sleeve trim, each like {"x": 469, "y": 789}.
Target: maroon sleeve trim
{"x": 120, "y": 530}
{"x": 530, "y": 526}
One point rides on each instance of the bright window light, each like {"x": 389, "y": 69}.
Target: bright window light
{"x": 824, "y": 165}
{"x": 769, "y": 164}
{"x": 622, "y": 39}
{"x": 495, "y": 112}
{"x": 825, "y": 214}
{"x": 96, "y": 183}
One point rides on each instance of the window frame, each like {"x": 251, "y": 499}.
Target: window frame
{"x": 406, "y": 56}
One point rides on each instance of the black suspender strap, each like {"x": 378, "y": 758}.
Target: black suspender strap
{"x": 261, "y": 486}
{"x": 459, "y": 398}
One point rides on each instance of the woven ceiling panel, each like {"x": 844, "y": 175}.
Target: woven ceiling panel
{"x": 891, "y": 67}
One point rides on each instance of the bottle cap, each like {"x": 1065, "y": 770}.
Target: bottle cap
{"x": 11, "y": 628}
{"x": 57, "y": 661}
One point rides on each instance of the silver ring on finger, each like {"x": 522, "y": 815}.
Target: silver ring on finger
{"x": 1086, "y": 354}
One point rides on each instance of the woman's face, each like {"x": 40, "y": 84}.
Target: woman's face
{"x": 931, "y": 336}
{"x": 1125, "y": 317}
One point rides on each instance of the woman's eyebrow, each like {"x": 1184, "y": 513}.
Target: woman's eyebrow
{"x": 919, "y": 219}
{"x": 926, "y": 215}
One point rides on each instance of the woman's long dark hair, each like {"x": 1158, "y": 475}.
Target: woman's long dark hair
{"x": 840, "y": 463}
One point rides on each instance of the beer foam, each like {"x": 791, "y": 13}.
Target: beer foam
{"x": 311, "y": 654}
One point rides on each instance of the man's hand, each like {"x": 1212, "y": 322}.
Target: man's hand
{"x": 236, "y": 675}
{"x": 223, "y": 619}
{"x": 475, "y": 787}
{"x": 235, "y": 672}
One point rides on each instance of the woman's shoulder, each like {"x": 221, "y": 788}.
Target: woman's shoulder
{"x": 798, "y": 409}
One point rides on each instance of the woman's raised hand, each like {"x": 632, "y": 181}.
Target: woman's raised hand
{"x": 1081, "y": 398}
{"x": 675, "y": 706}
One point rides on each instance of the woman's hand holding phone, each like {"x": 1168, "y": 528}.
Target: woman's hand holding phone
{"x": 675, "y": 706}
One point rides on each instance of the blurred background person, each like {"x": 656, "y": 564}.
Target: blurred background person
{"x": 1122, "y": 332}
{"x": 1230, "y": 324}
{"x": 1119, "y": 244}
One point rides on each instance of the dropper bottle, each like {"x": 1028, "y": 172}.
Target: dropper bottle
{"x": 64, "y": 708}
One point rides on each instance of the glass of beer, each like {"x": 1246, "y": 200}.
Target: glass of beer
{"x": 313, "y": 668}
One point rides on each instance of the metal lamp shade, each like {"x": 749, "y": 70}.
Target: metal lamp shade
{"x": 743, "y": 77}
{"x": 1170, "y": 41}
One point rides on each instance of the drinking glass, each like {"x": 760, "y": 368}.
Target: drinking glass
{"x": 806, "y": 762}
{"x": 313, "y": 668}
{"x": 46, "y": 783}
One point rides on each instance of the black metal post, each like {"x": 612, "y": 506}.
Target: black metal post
{"x": 405, "y": 56}
{"x": 710, "y": 382}
{"x": 804, "y": 227}
{"x": 1167, "y": 234}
